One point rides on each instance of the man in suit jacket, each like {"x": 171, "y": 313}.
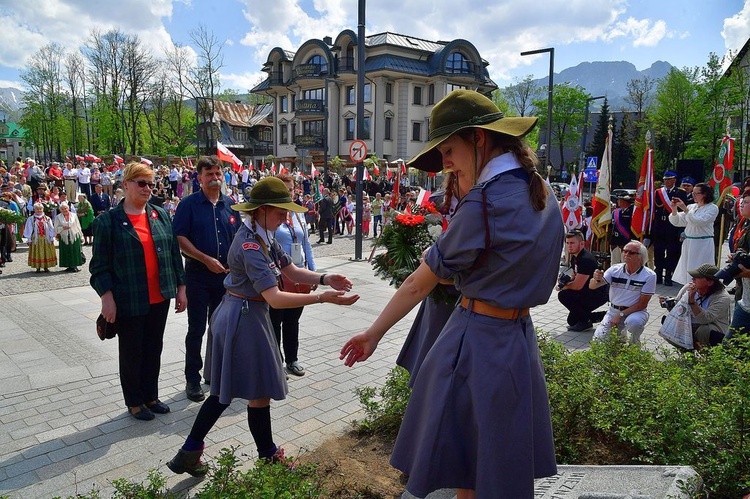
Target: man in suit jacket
{"x": 99, "y": 200}
{"x": 325, "y": 211}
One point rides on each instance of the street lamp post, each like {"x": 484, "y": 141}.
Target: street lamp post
{"x": 586, "y": 129}
{"x": 551, "y": 51}
{"x": 360, "y": 122}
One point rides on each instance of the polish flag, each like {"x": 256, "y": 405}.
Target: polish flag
{"x": 313, "y": 170}
{"x": 263, "y": 165}
{"x": 189, "y": 162}
{"x": 251, "y": 167}
{"x": 118, "y": 159}
{"x": 79, "y": 158}
{"x": 403, "y": 168}
{"x": 389, "y": 173}
{"x": 376, "y": 169}
{"x": 366, "y": 175}
{"x": 147, "y": 162}
{"x": 423, "y": 198}
{"x": 225, "y": 154}
{"x": 283, "y": 170}
{"x": 273, "y": 168}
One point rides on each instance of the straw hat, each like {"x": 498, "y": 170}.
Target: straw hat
{"x": 464, "y": 109}
{"x": 269, "y": 191}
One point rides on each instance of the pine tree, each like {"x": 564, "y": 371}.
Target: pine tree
{"x": 596, "y": 148}
{"x": 623, "y": 164}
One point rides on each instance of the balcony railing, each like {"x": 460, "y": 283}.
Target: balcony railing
{"x": 310, "y": 71}
{"x": 346, "y": 65}
{"x": 276, "y": 78}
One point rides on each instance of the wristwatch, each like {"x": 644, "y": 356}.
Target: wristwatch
{"x": 622, "y": 314}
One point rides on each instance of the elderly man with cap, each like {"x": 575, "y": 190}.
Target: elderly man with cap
{"x": 710, "y": 305}
{"x": 622, "y": 216}
{"x": 664, "y": 236}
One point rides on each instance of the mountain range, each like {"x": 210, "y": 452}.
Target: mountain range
{"x": 597, "y": 78}
{"x": 609, "y": 78}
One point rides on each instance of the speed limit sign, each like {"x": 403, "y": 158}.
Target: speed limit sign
{"x": 358, "y": 151}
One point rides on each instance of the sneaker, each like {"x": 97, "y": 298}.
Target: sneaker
{"x": 188, "y": 462}
{"x": 194, "y": 392}
{"x": 295, "y": 368}
{"x": 581, "y": 326}
{"x": 279, "y": 458}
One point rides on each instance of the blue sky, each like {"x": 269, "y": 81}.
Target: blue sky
{"x": 642, "y": 32}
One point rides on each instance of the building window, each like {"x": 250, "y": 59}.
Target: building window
{"x": 312, "y": 128}
{"x": 349, "y": 122}
{"x": 366, "y": 127}
{"x": 313, "y": 94}
{"x": 294, "y": 130}
{"x": 457, "y": 63}
{"x": 417, "y": 96}
{"x": 389, "y": 93}
{"x": 388, "y": 125}
{"x": 416, "y": 131}
{"x": 239, "y": 134}
{"x": 350, "y": 95}
{"x": 284, "y": 135}
{"x": 267, "y": 134}
{"x": 431, "y": 94}
{"x": 450, "y": 87}
{"x": 368, "y": 92}
{"x": 284, "y": 104}
{"x": 320, "y": 62}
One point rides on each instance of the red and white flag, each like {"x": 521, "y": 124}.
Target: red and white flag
{"x": 118, "y": 159}
{"x": 273, "y": 168}
{"x": 423, "y": 198}
{"x": 225, "y": 154}
{"x": 403, "y": 168}
{"x": 313, "y": 170}
{"x": 147, "y": 162}
{"x": 263, "y": 165}
{"x": 571, "y": 209}
{"x": 644, "y": 197}
{"x": 283, "y": 170}
{"x": 389, "y": 173}
{"x": 79, "y": 158}
{"x": 376, "y": 169}
{"x": 189, "y": 162}
{"x": 366, "y": 174}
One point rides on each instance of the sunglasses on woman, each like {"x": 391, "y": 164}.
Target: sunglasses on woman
{"x": 143, "y": 183}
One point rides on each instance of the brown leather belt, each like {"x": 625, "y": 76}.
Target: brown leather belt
{"x": 620, "y": 307}
{"x": 482, "y": 308}
{"x": 249, "y": 298}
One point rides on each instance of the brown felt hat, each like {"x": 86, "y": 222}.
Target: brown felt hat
{"x": 464, "y": 109}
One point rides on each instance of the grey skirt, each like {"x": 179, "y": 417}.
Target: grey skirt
{"x": 245, "y": 362}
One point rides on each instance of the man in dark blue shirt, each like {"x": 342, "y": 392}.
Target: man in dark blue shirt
{"x": 205, "y": 225}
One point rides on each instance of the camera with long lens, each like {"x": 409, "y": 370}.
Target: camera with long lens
{"x": 729, "y": 272}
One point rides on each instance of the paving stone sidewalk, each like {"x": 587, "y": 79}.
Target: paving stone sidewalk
{"x": 64, "y": 424}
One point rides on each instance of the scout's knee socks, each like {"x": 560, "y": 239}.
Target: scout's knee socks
{"x": 259, "y": 422}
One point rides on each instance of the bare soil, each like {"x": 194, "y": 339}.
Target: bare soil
{"x": 357, "y": 467}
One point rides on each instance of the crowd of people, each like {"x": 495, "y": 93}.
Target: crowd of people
{"x": 682, "y": 246}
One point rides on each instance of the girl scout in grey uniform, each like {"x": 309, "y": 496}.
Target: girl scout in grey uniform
{"x": 478, "y": 418}
{"x": 246, "y": 360}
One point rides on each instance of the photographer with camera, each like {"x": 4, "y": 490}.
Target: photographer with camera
{"x": 709, "y": 303}
{"x": 740, "y": 271}
{"x": 573, "y": 285}
{"x": 631, "y": 286}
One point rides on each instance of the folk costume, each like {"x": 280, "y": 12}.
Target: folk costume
{"x": 698, "y": 246}
{"x": 665, "y": 236}
{"x": 39, "y": 231}
{"x": 70, "y": 239}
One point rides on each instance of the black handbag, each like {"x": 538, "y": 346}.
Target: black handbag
{"x": 106, "y": 330}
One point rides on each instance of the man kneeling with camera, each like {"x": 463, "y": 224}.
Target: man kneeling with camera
{"x": 709, "y": 304}
{"x": 573, "y": 285}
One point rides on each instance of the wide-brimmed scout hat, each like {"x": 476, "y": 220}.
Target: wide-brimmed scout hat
{"x": 269, "y": 191}
{"x": 464, "y": 109}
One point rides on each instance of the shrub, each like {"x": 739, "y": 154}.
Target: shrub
{"x": 384, "y": 408}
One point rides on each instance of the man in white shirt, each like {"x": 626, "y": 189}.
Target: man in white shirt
{"x": 174, "y": 177}
{"x": 631, "y": 286}
{"x": 70, "y": 175}
{"x": 84, "y": 180}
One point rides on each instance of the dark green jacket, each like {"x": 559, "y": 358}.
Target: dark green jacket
{"x": 118, "y": 264}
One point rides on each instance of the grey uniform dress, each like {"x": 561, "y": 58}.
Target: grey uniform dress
{"x": 478, "y": 417}
{"x": 246, "y": 359}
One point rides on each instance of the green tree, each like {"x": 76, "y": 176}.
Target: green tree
{"x": 674, "y": 115}
{"x": 596, "y": 147}
{"x": 521, "y": 95}
{"x": 568, "y": 105}
{"x": 623, "y": 164}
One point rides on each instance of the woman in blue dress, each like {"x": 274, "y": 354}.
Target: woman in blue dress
{"x": 478, "y": 418}
{"x": 246, "y": 362}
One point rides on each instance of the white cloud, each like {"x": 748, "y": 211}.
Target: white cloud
{"x": 737, "y": 29}
{"x": 644, "y": 32}
{"x": 12, "y": 84}
{"x": 28, "y": 26}
{"x": 243, "y": 81}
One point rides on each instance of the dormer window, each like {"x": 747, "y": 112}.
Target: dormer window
{"x": 319, "y": 61}
{"x": 457, "y": 63}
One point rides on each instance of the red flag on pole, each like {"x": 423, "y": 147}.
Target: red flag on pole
{"x": 366, "y": 174}
{"x": 722, "y": 176}
{"x": 273, "y": 168}
{"x": 283, "y": 170}
{"x": 644, "y": 197}
{"x": 147, "y": 162}
{"x": 225, "y": 154}
{"x": 263, "y": 165}
{"x": 189, "y": 162}
{"x": 313, "y": 170}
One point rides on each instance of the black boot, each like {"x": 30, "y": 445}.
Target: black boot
{"x": 659, "y": 279}
{"x": 667, "y": 278}
{"x": 188, "y": 462}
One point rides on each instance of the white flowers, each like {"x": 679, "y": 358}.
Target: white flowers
{"x": 435, "y": 231}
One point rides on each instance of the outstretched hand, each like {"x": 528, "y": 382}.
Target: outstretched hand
{"x": 358, "y": 349}
{"x": 338, "y": 282}
{"x": 338, "y": 298}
